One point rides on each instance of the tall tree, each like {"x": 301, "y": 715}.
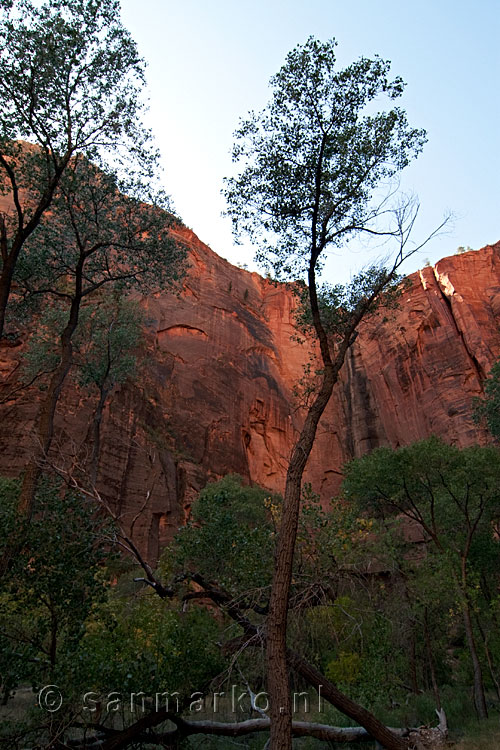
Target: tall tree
{"x": 70, "y": 83}
{"x": 231, "y": 537}
{"x": 105, "y": 352}
{"x": 96, "y": 237}
{"x": 107, "y": 357}
{"x": 54, "y": 581}
{"x": 312, "y": 162}
{"x": 452, "y": 495}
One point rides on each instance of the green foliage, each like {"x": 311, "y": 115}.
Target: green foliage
{"x": 487, "y": 409}
{"x": 451, "y": 497}
{"x": 53, "y": 583}
{"x": 358, "y": 599}
{"x": 335, "y": 534}
{"x": 345, "y": 669}
{"x": 338, "y": 302}
{"x": 42, "y": 353}
{"x": 352, "y": 631}
{"x": 107, "y": 342}
{"x": 97, "y": 236}
{"x": 104, "y": 346}
{"x": 71, "y": 82}
{"x": 313, "y": 157}
{"x": 440, "y": 487}
{"x": 73, "y": 145}
{"x": 230, "y": 537}
{"x": 62, "y": 623}
{"x": 148, "y": 644}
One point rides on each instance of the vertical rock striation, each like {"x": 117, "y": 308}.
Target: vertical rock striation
{"x": 217, "y": 388}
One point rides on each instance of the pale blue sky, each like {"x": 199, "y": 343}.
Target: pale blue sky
{"x": 210, "y": 62}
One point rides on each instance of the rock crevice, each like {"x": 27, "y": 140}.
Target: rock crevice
{"x": 216, "y": 394}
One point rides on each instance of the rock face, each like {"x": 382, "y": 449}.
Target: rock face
{"x": 216, "y": 392}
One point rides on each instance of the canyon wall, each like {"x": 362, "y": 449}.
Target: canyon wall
{"x": 217, "y": 388}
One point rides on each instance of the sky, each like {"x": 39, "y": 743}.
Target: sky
{"x": 210, "y": 61}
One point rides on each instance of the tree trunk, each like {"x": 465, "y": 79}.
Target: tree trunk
{"x": 96, "y": 436}
{"x": 479, "y": 697}
{"x": 413, "y": 663}
{"x": 332, "y": 694}
{"x": 45, "y": 429}
{"x": 277, "y": 676}
{"x": 8, "y": 267}
{"x": 430, "y": 657}
{"x": 9, "y": 259}
{"x": 276, "y": 661}
{"x": 7, "y": 686}
{"x": 254, "y": 637}
{"x": 493, "y": 671}
{"x": 53, "y": 639}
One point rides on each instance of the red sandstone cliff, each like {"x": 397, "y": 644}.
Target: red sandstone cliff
{"x": 216, "y": 393}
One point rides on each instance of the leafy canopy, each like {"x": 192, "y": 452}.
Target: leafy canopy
{"x": 487, "y": 409}
{"x": 71, "y": 93}
{"x": 230, "y": 537}
{"x": 98, "y": 234}
{"x": 451, "y": 493}
{"x": 104, "y": 345}
{"x": 339, "y": 303}
{"x": 62, "y": 622}
{"x": 314, "y": 156}
{"x": 70, "y": 80}
{"x": 54, "y": 582}
{"x": 109, "y": 340}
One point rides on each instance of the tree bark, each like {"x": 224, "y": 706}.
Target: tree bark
{"x": 478, "y": 682}
{"x": 491, "y": 666}
{"x": 276, "y": 652}
{"x": 96, "y": 436}
{"x": 413, "y": 663}
{"x": 23, "y": 232}
{"x": 385, "y": 736}
{"x": 140, "y": 731}
{"x": 430, "y": 657}
{"x": 53, "y": 638}
{"x": 45, "y": 430}
{"x": 479, "y": 697}
{"x": 253, "y": 638}
{"x": 8, "y": 267}
{"x": 276, "y": 660}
